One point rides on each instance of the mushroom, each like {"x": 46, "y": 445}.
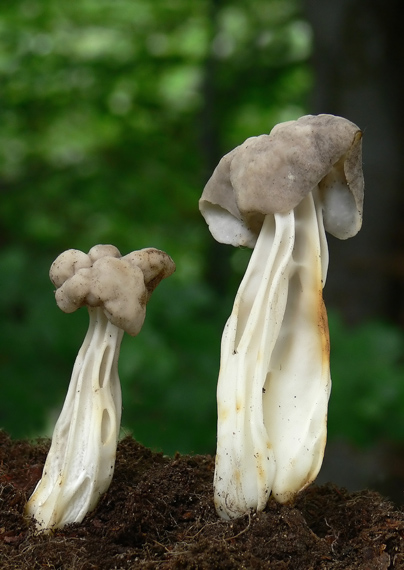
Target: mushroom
{"x": 81, "y": 459}
{"x": 276, "y": 193}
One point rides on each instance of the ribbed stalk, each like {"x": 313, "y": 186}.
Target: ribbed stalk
{"x": 274, "y": 380}
{"x": 81, "y": 459}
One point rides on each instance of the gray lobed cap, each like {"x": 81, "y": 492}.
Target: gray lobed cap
{"x": 122, "y": 286}
{"x": 273, "y": 173}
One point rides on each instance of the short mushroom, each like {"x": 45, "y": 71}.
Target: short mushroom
{"x": 276, "y": 193}
{"x": 81, "y": 459}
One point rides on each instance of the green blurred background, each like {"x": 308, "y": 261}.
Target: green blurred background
{"x": 113, "y": 114}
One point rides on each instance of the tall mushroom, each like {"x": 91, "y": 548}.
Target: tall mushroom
{"x": 276, "y": 193}
{"x": 81, "y": 459}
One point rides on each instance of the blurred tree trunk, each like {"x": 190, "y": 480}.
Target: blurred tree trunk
{"x": 217, "y": 269}
{"x": 358, "y": 62}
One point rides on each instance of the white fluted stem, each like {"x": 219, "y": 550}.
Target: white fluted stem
{"x": 81, "y": 459}
{"x": 274, "y": 380}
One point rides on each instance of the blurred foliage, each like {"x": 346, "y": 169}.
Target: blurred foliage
{"x": 367, "y": 396}
{"x": 113, "y": 115}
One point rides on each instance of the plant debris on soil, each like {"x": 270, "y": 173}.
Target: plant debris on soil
{"x": 158, "y": 514}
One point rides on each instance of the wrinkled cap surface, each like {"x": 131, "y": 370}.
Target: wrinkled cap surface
{"x": 102, "y": 278}
{"x": 272, "y": 173}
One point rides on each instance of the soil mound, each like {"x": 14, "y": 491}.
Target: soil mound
{"x": 159, "y": 514}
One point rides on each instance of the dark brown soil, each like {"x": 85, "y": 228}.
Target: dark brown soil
{"x": 158, "y": 513}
